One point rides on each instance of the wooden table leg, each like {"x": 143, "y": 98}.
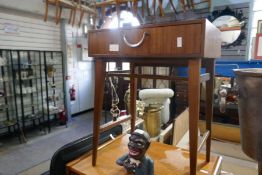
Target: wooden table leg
{"x": 100, "y": 67}
{"x": 147, "y": 8}
{"x": 209, "y": 64}
{"x": 173, "y": 6}
{"x": 135, "y": 7}
{"x": 154, "y": 7}
{"x": 192, "y": 5}
{"x": 70, "y": 16}
{"x": 259, "y": 168}
{"x": 46, "y": 10}
{"x": 81, "y": 18}
{"x": 133, "y": 88}
{"x": 194, "y": 66}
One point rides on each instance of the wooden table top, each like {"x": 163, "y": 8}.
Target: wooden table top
{"x": 167, "y": 160}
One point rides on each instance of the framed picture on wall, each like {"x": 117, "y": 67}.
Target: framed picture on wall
{"x": 258, "y": 46}
{"x": 259, "y": 26}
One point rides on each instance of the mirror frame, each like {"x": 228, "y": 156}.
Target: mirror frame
{"x": 238, "y": 14}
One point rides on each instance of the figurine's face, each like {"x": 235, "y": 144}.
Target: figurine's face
{"x": 137, "y": 146}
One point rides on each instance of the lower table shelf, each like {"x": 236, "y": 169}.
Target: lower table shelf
{"x": 168, "y": 160}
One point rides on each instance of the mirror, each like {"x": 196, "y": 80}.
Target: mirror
{"x": 231, "y": 24}
{"x": 230, "y": 28}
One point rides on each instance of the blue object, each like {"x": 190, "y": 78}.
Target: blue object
{"x": 225, "y": 68}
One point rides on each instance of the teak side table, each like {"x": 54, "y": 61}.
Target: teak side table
{"x": 193, "y": 44}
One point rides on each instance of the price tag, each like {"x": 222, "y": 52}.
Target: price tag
{"x": 113, "y": 47}
{"x": 179, "y": 42}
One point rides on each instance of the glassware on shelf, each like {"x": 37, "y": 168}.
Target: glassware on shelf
{"x": 2, "y": 61}
{"x": 115, "y": 100}
{"x": 50, "y": 71}
{"x": 2, "y": 93}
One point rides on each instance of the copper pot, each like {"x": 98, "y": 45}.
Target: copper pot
{"x": 249, "y": 82}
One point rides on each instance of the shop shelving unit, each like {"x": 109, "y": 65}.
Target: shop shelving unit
{"x": 54, "y": 97}
{"x": 28, "y": 89}
{"x": 30, "y": 94}
{"x": 9, "y": 122}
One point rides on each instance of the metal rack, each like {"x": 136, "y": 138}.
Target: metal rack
{"x": 54, "y": 90}
{"x": 9, "y": 122}
{"x": 25, "y": 78}
{"x": 27, "y": 88}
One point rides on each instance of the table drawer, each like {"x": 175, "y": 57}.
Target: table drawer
{"x": 181, "y": 39}
{"x": 158, "y": 41}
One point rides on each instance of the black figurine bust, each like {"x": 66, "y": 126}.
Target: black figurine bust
{"x": 136, "y": 162}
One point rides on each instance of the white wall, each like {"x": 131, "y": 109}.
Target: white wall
{"x": 32, "y": 32}
{"x": 81, "y": 72}
{"x": 32, "y": 6}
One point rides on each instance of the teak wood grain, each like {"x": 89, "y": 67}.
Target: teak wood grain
{"x": 201, "y": 44}
{"x": 199, "y": 39}
{"x": 193, "y": 102}
{"x": 168, "y": 160}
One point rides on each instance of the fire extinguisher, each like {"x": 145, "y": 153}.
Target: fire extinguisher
{"x": 72, "y": 93}
{"x": 62, "y": 117}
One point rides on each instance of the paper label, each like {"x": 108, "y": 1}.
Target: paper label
{"x": 113, "y": 47}
{"x": 179, "y": 41}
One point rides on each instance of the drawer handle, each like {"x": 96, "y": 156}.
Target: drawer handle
{"x": 136, "y": 44}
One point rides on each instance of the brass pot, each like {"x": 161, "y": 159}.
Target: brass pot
{"x": 152, "y": 120}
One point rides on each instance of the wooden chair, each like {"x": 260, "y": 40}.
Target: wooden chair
{"x": 161, "y": 9}
{"x": 191, "y": 4}
{"x": 86, "y": 6}
{"x": 162, "y": 13}
{"x": 73, "y": 5}
{"x": 59, "y": 4}
{"x": 117, "y": 4}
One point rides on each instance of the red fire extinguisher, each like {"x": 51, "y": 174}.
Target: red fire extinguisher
{"x": 62, "y": 117}
{"x": 72, "y": 93}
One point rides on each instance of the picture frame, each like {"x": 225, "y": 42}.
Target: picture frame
{"x": 258, "y": 46}
{"x": 259, "y": 26}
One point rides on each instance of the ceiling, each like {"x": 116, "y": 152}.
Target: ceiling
{"x": 30, "y": 6}
{"x": 38, "y": 6}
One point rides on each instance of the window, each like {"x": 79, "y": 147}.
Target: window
{"x": 126, "y": 19}
{"x": 111, "y": 22}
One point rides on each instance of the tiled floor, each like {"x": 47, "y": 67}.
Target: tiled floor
{"x": 234, "y": 160}
{"x": 16, "y": 158}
